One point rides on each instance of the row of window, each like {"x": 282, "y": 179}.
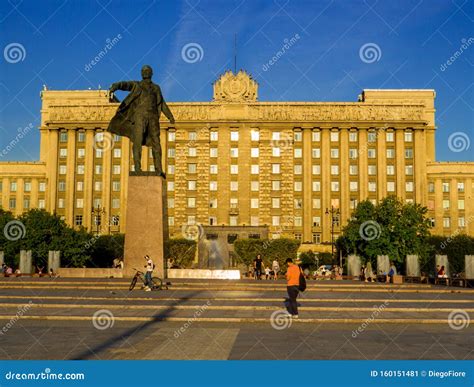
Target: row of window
{"x": 81, "y": 137}
{"x": 297, "y": 136}
{"x": 81, "y": 153}
{"x": 26, "y": 186}
{"x": 80, "y": 186}
{"x": 446, "y": 204}
{"x": 97, "y": 220}
{"x": 446, "y": 187}
{"x": 12, "y": 203}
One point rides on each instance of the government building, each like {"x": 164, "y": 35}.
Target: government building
{"x": 277, "y": 169}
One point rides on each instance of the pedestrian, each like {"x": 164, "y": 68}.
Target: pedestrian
{"x": 267, "y": 272}
{"x": 257, "y": 265}
{"x": 292, "y": 284}
{"x": 149, "y": 272}
{"x": 275, "y": 268}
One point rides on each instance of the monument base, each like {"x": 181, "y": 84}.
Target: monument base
{"x": 147, "y": 224}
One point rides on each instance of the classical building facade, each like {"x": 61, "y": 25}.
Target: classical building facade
{"x": 236, "y": 161}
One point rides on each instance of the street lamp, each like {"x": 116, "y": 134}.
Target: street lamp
{"x": 97, "y": 214}
{"x": 334, "y": 219}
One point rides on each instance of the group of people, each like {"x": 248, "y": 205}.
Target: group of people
{"x": 7, "y": 271}
{"x": 259, "y": 269}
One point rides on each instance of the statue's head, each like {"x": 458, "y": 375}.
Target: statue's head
{"x": 147, "y": 72}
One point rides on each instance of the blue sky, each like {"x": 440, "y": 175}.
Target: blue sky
{"x": 57, "y": 39}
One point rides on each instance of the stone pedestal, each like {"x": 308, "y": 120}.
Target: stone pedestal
{"x": 54, "y": 260}
{"x": 26, "y": 263}
{"x": 147, "y": 223}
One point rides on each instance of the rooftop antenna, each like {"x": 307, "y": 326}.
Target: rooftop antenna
{"x": 235, "y": 53}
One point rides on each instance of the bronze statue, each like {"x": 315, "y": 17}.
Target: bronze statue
{"x": 138, "y": 117}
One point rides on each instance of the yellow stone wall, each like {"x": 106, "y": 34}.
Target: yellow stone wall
{"x": 320, "y": 154}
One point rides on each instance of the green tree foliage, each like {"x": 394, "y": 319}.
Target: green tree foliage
{"x": 105, "y": 248}
{"x": 391, "y": 228}
{"x": 182, "y": 251}
{"x": 455, "y": 247}
{"x": 274, "y": 249}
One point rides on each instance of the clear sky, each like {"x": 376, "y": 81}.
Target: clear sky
{"x": 189, "y": 43}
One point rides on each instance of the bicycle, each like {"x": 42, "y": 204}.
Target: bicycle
{"x": 156, "y": 282}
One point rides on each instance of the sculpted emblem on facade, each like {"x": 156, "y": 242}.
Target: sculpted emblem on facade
{"x": 238, "y": 87}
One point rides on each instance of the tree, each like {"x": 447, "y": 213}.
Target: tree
{"x": 455, "y": 247}
{"x": 391, "y": 228}
{"x": 105, "y": 248}
{"x": 270, "y": 250}
{"x": 182, "y": 251}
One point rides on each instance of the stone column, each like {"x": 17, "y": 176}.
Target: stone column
{"x": 54, "y": 260}
{"x": 26, "y": 264}
{"x": 468, "y": 266}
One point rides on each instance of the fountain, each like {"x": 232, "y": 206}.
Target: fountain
{"x": 353, "y": 266}
{"x": 442, "y": 260}
{"x": 413, "y": 266}
{"x": 383, "y": 264}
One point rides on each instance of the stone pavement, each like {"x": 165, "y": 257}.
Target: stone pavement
{"x": 41, "y": 318}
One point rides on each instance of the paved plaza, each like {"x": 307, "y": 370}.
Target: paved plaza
{"x": 100, "y": 319}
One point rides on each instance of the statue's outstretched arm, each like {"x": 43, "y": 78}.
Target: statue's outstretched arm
{"x": 166, "y": 111}
{"x": 124, "y": 85}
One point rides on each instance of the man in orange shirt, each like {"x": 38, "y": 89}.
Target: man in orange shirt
{"x": 292, "y": 284}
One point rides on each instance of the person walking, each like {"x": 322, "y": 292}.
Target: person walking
{"x": 292, "y": 284}
{"x": 149, "y": 272}
{"x": 276, "y": 269}
{"x": 257, "y": 264}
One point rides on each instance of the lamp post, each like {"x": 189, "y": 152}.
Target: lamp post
{"x": 334, "y": 219}
{"x": 97, "y": 214}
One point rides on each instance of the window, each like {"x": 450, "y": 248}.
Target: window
{"x": 390, "y": 170}
{"x": 353, "y": 153}
{"x": 27, "y": 187}
{"x": 115, "y": 203}
{"x": 116, "y": 186}
{"x": 390, "y": 186}
{"x": 12, "y": 203}
{"x": 334, "y": 153}
{"x": 80, "y": 186}
{"x": 98, "y": 153}
{"x": 117, "y": 153}
{"x": 390, "y": 153}
{"x": 115, "y": 220}
{"x": 254, "y": 186}
{"x": 98, "y": 186}
{"x": 390, "y": 136}
{"x": 298, "y": 169}
{"x": 192, "y": 152}
{"x": 298, "y": 203}
{"x": 213, "y": 186}
{"x": 213, "y": 169}
{"x": 192, "y": 136}
{"x": 275, "y": 202}
{"x": 371, "y": 136}
{"x": 372, "y": 170}
{"x": 170, "y": 185}
{"x": 446, "y": 222}
{"x": 334, "y": 186}
{"x": 234, "y": 152}
{"x": 234, "y": 136}
{"x": 353, "y": 186}
{"x": 352, "y": 136}
{"x": 316, "y": 238}
{"x": 408, "y": 136}
{"x": 234, "y": 186}
{"x": 316, "y": 136}
{"x": 298, "y": 222}
{"x": 276, "y": 136}
{"x": 213, "y": 203}
{"x": 409, "y": 170}
{"x": 170, "y": 203}
{"x": 431, "y": 204}
{"x": 298, "y": 186}
{"x": 445, "y": 187}
{"x": 99, "y": 136}
{"x": 41, "y": 204}
{"x": 171, "y": 152}
{"x": 116, "y": 169}
{"x": 81, "y": 136}
{"x": 62, "y": 169}
{"x": 234, "y": 169}
{"x": 233, "y": 220}
{"x": 353, "y": 204}
{"x": 192, "y": 184}
{"x": 61, "y": 203}
{"x": 276, "y": 185}
{"x": 275, "y": 220}
{"x": 371, "y": 153}
{"x": 461, "y": 222}
{"x": 409, "y": 186}
{"x": 408, "y": 153}
{"x": 234, "y": 203}
{"x": 214, "y": 135}
{"x": 13, "y": 186}
{"x": 316, "y": 169}
{"x": 276, "y": 152}
{"x": 191, "y": 219}
{"x": 460, "y": 187}
{"x": 80, "y": 169}
{"x": 334, "y": 136}
{"x": 316, "y": 203}
{"x": 275, "y": 168}
{"x": 212, "y": 220}
{"x": 254, "y": 169}
{"x": 26, "y": 203}
{"x": 171, "y": 169}
{"x": 431, "y": 187}
{"x": 192, "y": 168}
{"x": 253, "y": 203}
{"x": 372, "y": 186}
{"x": 42, "y": 187}
{"x": 254, "y": 221}
{"x": 316, "y": 186}
{"x": 316, "y": 153}
{"x": 254, "y": 135}
{"x": 63, "y": 152}
{"x": 61, "y": 186}
{"x": 316, "y": 221}
{"x": 461, "y": 204}
{"x": 97, "y": 202}
{"x": 98, "y": 169}
{"x": 170, "y": 220}
{"x": 298, "y": 153}
{"x": 191, "y": 202}
{"x": 254, "y": 152}
{"x": 81, "y": 153}
{"x": 78, "y": 220}
{"x": 353, "y": 170}
{"x": 171, "y": 136}
{"x": 63, "y": 137}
